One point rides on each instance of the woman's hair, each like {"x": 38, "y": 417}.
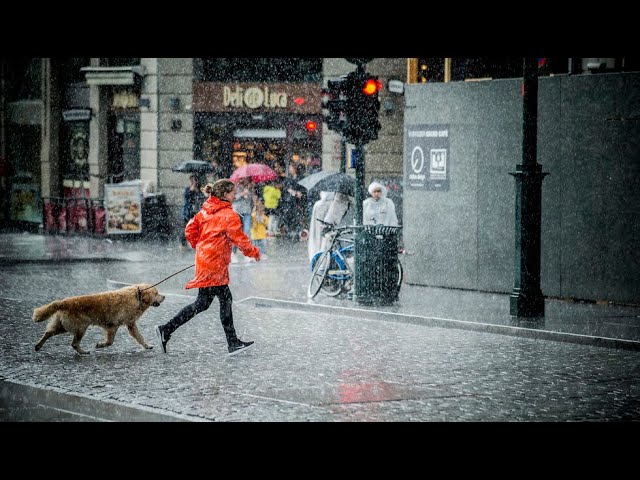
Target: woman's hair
{"x": 219, "y": 188}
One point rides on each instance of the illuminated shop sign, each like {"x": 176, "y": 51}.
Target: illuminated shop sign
{"x": 253, "y": 97}
{"x": 304, "y": 98}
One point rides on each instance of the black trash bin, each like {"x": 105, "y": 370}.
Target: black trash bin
{"x": 155, "y": 216}
{"x": 378, "y": 274}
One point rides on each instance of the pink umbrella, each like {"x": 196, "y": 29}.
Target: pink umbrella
{"x": 257, "y": 172}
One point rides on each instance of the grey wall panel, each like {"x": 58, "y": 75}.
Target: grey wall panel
{"x": 499, "y": 149}
{"x": 600, "y": 183}
{"x": 588, "y": 142}
{"x": 549, "y": 146}
{"x": 496, "y": 229}
{"x": 441, "y": 244}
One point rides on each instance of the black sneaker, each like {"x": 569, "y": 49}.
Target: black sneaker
{"x": 162, "y": 338}
{"x": 238, "y": 346}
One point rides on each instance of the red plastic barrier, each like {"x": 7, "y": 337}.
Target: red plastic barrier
{"x": 50, "y": 223}
{"x": 99, "y": 216}
{"x": 62, "y": 219}
{"x": 78, "y": 215}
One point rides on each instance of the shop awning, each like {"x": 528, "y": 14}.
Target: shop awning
{"x": 113, "y": 75}
{"x": 259, "y": 133}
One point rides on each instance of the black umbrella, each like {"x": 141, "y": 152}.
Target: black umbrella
{"x": 327, "y": 181}
{"x": 193, "y": 166}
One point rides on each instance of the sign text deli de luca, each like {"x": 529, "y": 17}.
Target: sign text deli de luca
{"x": 253, "y": 97}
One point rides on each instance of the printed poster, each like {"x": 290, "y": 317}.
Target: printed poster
{"x": 427, "y": 162}
{"x": 25, "y": 203}
{"x": 124, "y": 208}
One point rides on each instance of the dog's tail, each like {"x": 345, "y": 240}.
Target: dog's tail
{"x": 45, "y": 311}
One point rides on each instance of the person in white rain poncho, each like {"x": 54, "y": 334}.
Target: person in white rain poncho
{"x": 341, "y": 211}
{"x": 378, "y": 209}
{"x": 320, "y": 208}
{"x": 334, "y": 208}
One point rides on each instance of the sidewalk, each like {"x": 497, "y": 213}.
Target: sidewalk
{"x": 565, "y": 320}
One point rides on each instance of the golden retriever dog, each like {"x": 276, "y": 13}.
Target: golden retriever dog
{"x": 107, "y": 310}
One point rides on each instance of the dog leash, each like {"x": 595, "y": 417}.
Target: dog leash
{"x": 167, "y": 278}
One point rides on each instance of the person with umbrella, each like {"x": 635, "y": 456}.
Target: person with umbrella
{"x": 257, "y": 172}
{"x": 292, "y": 206}
{"x": 335, "y": 208}
{"x": 193, "y": 198}
{"x": 318, "y": 212}
{"x": 327, "y": 181}
{"x": 247, "y": 176}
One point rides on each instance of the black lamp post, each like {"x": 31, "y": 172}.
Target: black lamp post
{"x": 526, "y": 298}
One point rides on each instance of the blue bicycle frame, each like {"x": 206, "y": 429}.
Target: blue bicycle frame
{"x": 343, "y": 272}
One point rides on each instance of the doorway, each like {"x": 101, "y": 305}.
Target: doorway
{"x": 123, "y": 162}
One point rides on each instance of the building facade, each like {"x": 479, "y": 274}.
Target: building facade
{"x": 87, "y": 123}
{"x": 73, "y": 131}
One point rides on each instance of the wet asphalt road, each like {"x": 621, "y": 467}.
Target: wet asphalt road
{"x": 305, "y": 366}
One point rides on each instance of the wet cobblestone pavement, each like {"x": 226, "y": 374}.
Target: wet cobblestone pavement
{"x": 308, "y": 364}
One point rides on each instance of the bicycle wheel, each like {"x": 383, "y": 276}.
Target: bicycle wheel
{"x": 332, "y": 286}
{"x": 318, "y": 274}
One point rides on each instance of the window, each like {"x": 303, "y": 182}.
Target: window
{"x": 23, "y": 78}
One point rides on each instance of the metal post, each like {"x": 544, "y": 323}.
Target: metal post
{"x": 526, "y": 298}
{"x": 343, "y": 155}
{"x": 359, "y": 198}
{"x": 359, "y": 190}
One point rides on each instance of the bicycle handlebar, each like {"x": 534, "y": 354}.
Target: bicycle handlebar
{"x": 332, "y": 227}
{"x": 352, "y": 227}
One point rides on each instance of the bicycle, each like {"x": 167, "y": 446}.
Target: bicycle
{"x": 332, "y": 269}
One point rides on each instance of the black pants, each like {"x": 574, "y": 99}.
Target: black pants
{"x": 202, "y": 303}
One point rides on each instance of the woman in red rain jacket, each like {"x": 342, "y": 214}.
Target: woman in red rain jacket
{"x": 212, "y": 232}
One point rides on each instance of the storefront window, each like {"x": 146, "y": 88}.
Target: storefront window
{"x": 23, "y": 78}
{"x": 124, "y": 147}
{"x": 23, "y": 142}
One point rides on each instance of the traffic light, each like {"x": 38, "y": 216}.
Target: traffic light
{"x": 311, "y": 126}
{"x": 362, "y": 109}
{"x": 335, "y": 103}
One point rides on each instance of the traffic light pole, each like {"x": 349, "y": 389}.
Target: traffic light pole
{"x": 359, "y": 190}
{"x": 343, "y": 155}
{"x": 358, "y": 234}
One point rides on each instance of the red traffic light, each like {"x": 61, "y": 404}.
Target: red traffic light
{"x": 311, "y": 126}
{"x": 372, "y": 86}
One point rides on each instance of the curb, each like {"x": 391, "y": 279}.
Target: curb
{"x": 517, "y": 331}
{"x": 18, "y": 261}
{"x": 100, "y": 410}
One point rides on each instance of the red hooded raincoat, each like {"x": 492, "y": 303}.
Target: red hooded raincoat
{"x": 212, "y": 232}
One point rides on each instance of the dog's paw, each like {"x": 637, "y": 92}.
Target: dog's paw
{"x": 148, "y": 347}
